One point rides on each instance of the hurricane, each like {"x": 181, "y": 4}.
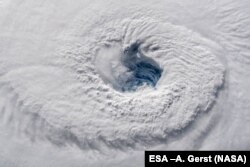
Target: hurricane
{"x": 95, "y": 83}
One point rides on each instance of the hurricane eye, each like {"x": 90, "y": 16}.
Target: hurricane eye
{"x": 143, "y": 70}
{"x": 127, "y": 70}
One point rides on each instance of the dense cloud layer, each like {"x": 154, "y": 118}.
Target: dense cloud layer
{"x": 114, "y": 78}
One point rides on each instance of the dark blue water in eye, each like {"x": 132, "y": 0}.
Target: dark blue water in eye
{"x": 145, "y": 71}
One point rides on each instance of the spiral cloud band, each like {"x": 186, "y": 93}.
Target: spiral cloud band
{"x": 115, "y": 98}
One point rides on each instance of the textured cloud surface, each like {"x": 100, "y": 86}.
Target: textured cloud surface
{"x": 94, "y": 82}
